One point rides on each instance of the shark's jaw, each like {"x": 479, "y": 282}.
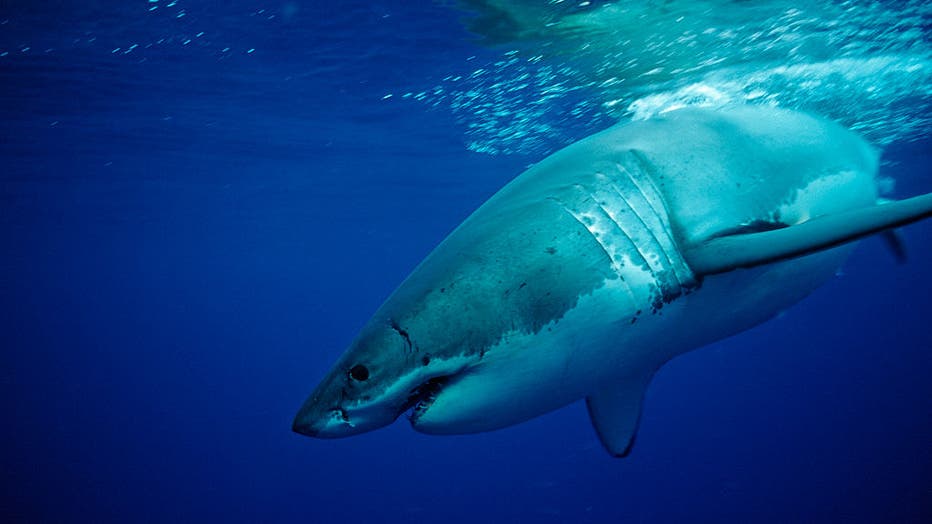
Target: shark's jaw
{"x": 424, "y": 396}
{"x": 414, "y": 393}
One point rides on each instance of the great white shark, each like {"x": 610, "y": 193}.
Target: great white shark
{"x": 590, "y": 270}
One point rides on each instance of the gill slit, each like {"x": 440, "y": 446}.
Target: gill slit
{"x": 614, "y": 264}
{"x": 624, "y": 232}
{"x": 658, "y": 213}
{"x": 650, "y": 231}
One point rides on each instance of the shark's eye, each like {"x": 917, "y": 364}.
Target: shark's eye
{"x": 359, "y": 372}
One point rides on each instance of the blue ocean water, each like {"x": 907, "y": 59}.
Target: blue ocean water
{"x": 202, "y": 202}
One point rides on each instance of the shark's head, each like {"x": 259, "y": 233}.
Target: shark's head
{"x": 384, "y": 373}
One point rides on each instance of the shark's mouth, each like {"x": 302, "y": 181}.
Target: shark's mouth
{"x": 423, "y": 396}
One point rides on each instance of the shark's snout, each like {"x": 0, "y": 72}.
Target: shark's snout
{"x": 303, "y": 425}
{"x": 307, "y": 421}
{"x": 316, "y": 420}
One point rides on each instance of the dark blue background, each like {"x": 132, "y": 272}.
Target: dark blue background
{"x": 190, "y": 236}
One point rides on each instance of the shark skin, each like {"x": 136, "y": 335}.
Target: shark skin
{"x": 575, "y": 280}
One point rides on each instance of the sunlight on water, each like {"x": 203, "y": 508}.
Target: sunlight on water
{"x": 565, "y": 69}
{"x": 578, "y": 66}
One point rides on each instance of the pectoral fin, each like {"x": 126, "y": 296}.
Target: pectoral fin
{"x": 616, "y": 413}
{"x": 727, "y": 253}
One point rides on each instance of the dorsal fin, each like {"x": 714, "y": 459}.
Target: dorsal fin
{"x": 727, "y": 253}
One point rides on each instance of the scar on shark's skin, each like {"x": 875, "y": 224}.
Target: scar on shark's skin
{"x": 602, "y": 262}
{"x": 402, "y": 333}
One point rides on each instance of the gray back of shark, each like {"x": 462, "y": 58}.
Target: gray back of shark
{"x": 586, "y": 273}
